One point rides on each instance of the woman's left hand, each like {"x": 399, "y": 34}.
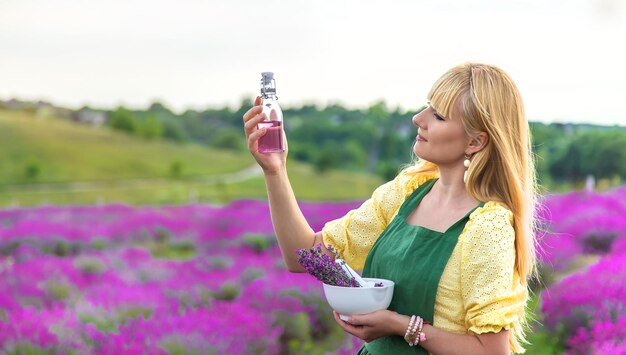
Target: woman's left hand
{"x": 369, "y": 326}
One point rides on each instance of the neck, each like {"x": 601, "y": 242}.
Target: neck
{"x": 450, "y": 188}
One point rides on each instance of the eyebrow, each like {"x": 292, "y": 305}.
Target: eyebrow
{"x": 436, "y": 112}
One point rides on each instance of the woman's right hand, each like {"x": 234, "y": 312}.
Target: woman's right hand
{"x": 271, "y": 163}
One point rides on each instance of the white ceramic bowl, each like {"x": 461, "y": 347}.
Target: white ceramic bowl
{"x": 359, "y": 300}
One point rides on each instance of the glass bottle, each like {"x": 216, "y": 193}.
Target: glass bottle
{"x": 272, "y": 141}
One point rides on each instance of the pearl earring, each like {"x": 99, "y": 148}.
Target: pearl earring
{"x": 466, "y": 164}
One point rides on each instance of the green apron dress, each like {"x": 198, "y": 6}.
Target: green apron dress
{"x": 414, "y": 258}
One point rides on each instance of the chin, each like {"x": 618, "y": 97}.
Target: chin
{"x": 416, "y": 151}
{"x": 421, "y": 156}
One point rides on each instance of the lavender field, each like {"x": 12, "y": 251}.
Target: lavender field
{"x": 205, "y": 279}
{"x": 583, "y": 263}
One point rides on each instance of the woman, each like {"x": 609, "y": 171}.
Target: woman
{"x": 454, "y": 230}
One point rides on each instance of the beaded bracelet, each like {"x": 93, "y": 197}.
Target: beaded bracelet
{"x": 408, "y": 329}
{"x": 409, "y": 337}
{"x": 422, "y": 335}
{"x": 415, "y": 332}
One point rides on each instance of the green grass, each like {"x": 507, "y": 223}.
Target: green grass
{"x": 540, "y": 341}
{"x": 307, "y": 184}
{"x": 66, "y": 151}
{"x": 44, "y": 160}
{"x": 26, "y": 348}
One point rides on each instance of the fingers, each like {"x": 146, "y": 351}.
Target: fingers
{"x": 253, "y": 117}
{"x": 339, "y": 321}
{"x": 254, "y": 110}
{"x": 344, "y": 324}
{"x": 273, "y": 115}
{"x": 354, "y": 320}
{"x": 356, "y": 327}
{"x": 347, "y": 327}
{"x": 251, "y": 124}
{"x": 253, "y": 139}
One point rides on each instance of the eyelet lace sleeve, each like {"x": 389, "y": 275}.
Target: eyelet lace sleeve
{"x": 493, "y": 296}
{"x": 354, "y": 234}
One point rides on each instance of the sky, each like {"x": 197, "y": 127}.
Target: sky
{"x": 566, "y": 56}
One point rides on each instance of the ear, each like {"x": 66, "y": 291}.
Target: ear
{"x": 477, "y": 143}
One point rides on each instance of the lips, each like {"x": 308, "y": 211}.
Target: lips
{"x": 421, "y": 139}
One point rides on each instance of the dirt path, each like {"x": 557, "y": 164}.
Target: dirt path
{"x": 149, "y": 183}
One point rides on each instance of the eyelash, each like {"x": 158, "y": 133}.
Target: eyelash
{"x": 437, "y": 116}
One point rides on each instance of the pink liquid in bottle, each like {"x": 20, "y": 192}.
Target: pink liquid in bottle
{"x": 272, "y": 141}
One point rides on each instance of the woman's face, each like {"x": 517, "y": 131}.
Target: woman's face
{"x": 440, "y": 140}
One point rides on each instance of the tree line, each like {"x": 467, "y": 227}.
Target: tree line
{"x": 377, "y": 139}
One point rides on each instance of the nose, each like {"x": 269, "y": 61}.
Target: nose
{"x": 417, "y": 119}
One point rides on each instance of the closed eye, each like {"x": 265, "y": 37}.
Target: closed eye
{"x": 437, "y": 116}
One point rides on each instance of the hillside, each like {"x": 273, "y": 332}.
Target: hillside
{"x": 47, "y": 160}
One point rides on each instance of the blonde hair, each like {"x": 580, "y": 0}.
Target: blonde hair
{"x": 487, "y": 100}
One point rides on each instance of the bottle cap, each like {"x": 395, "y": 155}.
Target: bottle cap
{"x": 267, "y": 77}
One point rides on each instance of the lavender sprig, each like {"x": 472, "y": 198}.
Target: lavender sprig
{"x": 324, "y": 268}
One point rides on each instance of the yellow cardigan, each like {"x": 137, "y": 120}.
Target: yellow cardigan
{"x": 479, "y": 291}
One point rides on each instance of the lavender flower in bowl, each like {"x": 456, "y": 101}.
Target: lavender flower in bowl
{"x": 324, "y": 268}
{"x": 343, "y": 292}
